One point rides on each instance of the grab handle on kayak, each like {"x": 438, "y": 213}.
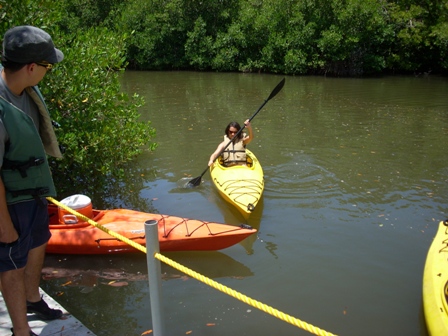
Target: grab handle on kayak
{"x": 246, "y": 226}
{"x": 70, "y": 219}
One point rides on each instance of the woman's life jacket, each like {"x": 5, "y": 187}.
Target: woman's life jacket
{"x": 25, "y": 171}
{"x": 235, "y": 153}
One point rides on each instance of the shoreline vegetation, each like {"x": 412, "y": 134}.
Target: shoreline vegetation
{"x": 291, "y": 37}
{"x": 101, "y": 129}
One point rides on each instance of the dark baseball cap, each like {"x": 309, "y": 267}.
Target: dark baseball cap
{"x": 28, "y": 44}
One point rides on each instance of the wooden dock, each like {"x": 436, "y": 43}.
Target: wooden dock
{"x": 68, "y": 325}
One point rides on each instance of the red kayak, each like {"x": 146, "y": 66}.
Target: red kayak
{"x": 175, "y": 233}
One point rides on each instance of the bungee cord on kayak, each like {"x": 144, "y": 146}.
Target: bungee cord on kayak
{"x": 246, "y": 192}
{"x": 189, "y": 233}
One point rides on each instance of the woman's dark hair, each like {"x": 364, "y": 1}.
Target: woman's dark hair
{"x": 237, "y": 126}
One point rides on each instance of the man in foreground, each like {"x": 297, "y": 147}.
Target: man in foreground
{"x": 26, "y": 137}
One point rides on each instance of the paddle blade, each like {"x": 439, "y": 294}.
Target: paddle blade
{"x": 195, "y": 182}
{"x": 277, "y": 89}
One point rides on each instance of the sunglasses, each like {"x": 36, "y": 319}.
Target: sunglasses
{"x": 46, "y": 65}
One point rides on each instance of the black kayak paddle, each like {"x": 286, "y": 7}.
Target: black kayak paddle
{"x": 197, "y": 180}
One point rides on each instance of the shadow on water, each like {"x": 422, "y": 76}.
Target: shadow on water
{"x": 232, "y": 215}
{"x": 88, "y": 271}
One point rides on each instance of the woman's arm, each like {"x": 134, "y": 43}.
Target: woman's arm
{"x": 216, "y": 153}
{"x": 247, "y": 139}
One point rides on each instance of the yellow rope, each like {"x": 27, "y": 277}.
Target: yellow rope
{"x": 254, "y": 303}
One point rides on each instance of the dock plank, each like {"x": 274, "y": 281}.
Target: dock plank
{"x": 68, "y": 325}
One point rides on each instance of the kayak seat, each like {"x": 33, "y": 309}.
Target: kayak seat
{"x": 54, "y": 218}
{"x": 249, "y": 162}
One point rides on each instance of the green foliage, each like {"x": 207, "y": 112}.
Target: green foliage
{"x": 333, "y": 37}
{"x": 198, "y": 46}
{"x": 227, "y": 47}
{"x": 41, "y": 13}
{"x": 99, "y": 124}
{"x": 410, "y": 30}
{"x": 299, "y": 45}
{"x": 352, "y": 44}
{"x": 158, "y": 37}
{"x": 440, "y": 35}
{"x": 87, "y": 13}
{"x": 420, "y": 43}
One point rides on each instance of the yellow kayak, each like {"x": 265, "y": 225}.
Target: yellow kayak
{"x": 435, "y": 283}
{"x": 241, "y": 186}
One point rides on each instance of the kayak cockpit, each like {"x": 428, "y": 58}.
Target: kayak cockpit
{"x": 69, "y": 221}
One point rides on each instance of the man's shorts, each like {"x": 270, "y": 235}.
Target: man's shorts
{"x": 30, "y": 218}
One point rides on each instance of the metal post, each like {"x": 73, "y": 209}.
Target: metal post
{"x": 154, "y": 275}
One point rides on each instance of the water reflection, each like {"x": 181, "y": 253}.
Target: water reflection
{"x": 117, "y": 270}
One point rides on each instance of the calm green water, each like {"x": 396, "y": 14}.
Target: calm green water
{"x": 356, "y": 175}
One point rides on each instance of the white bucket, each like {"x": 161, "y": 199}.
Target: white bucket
{"x": 79, "y": 203}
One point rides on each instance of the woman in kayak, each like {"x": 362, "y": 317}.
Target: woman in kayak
{"x": 233, "y": 148}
